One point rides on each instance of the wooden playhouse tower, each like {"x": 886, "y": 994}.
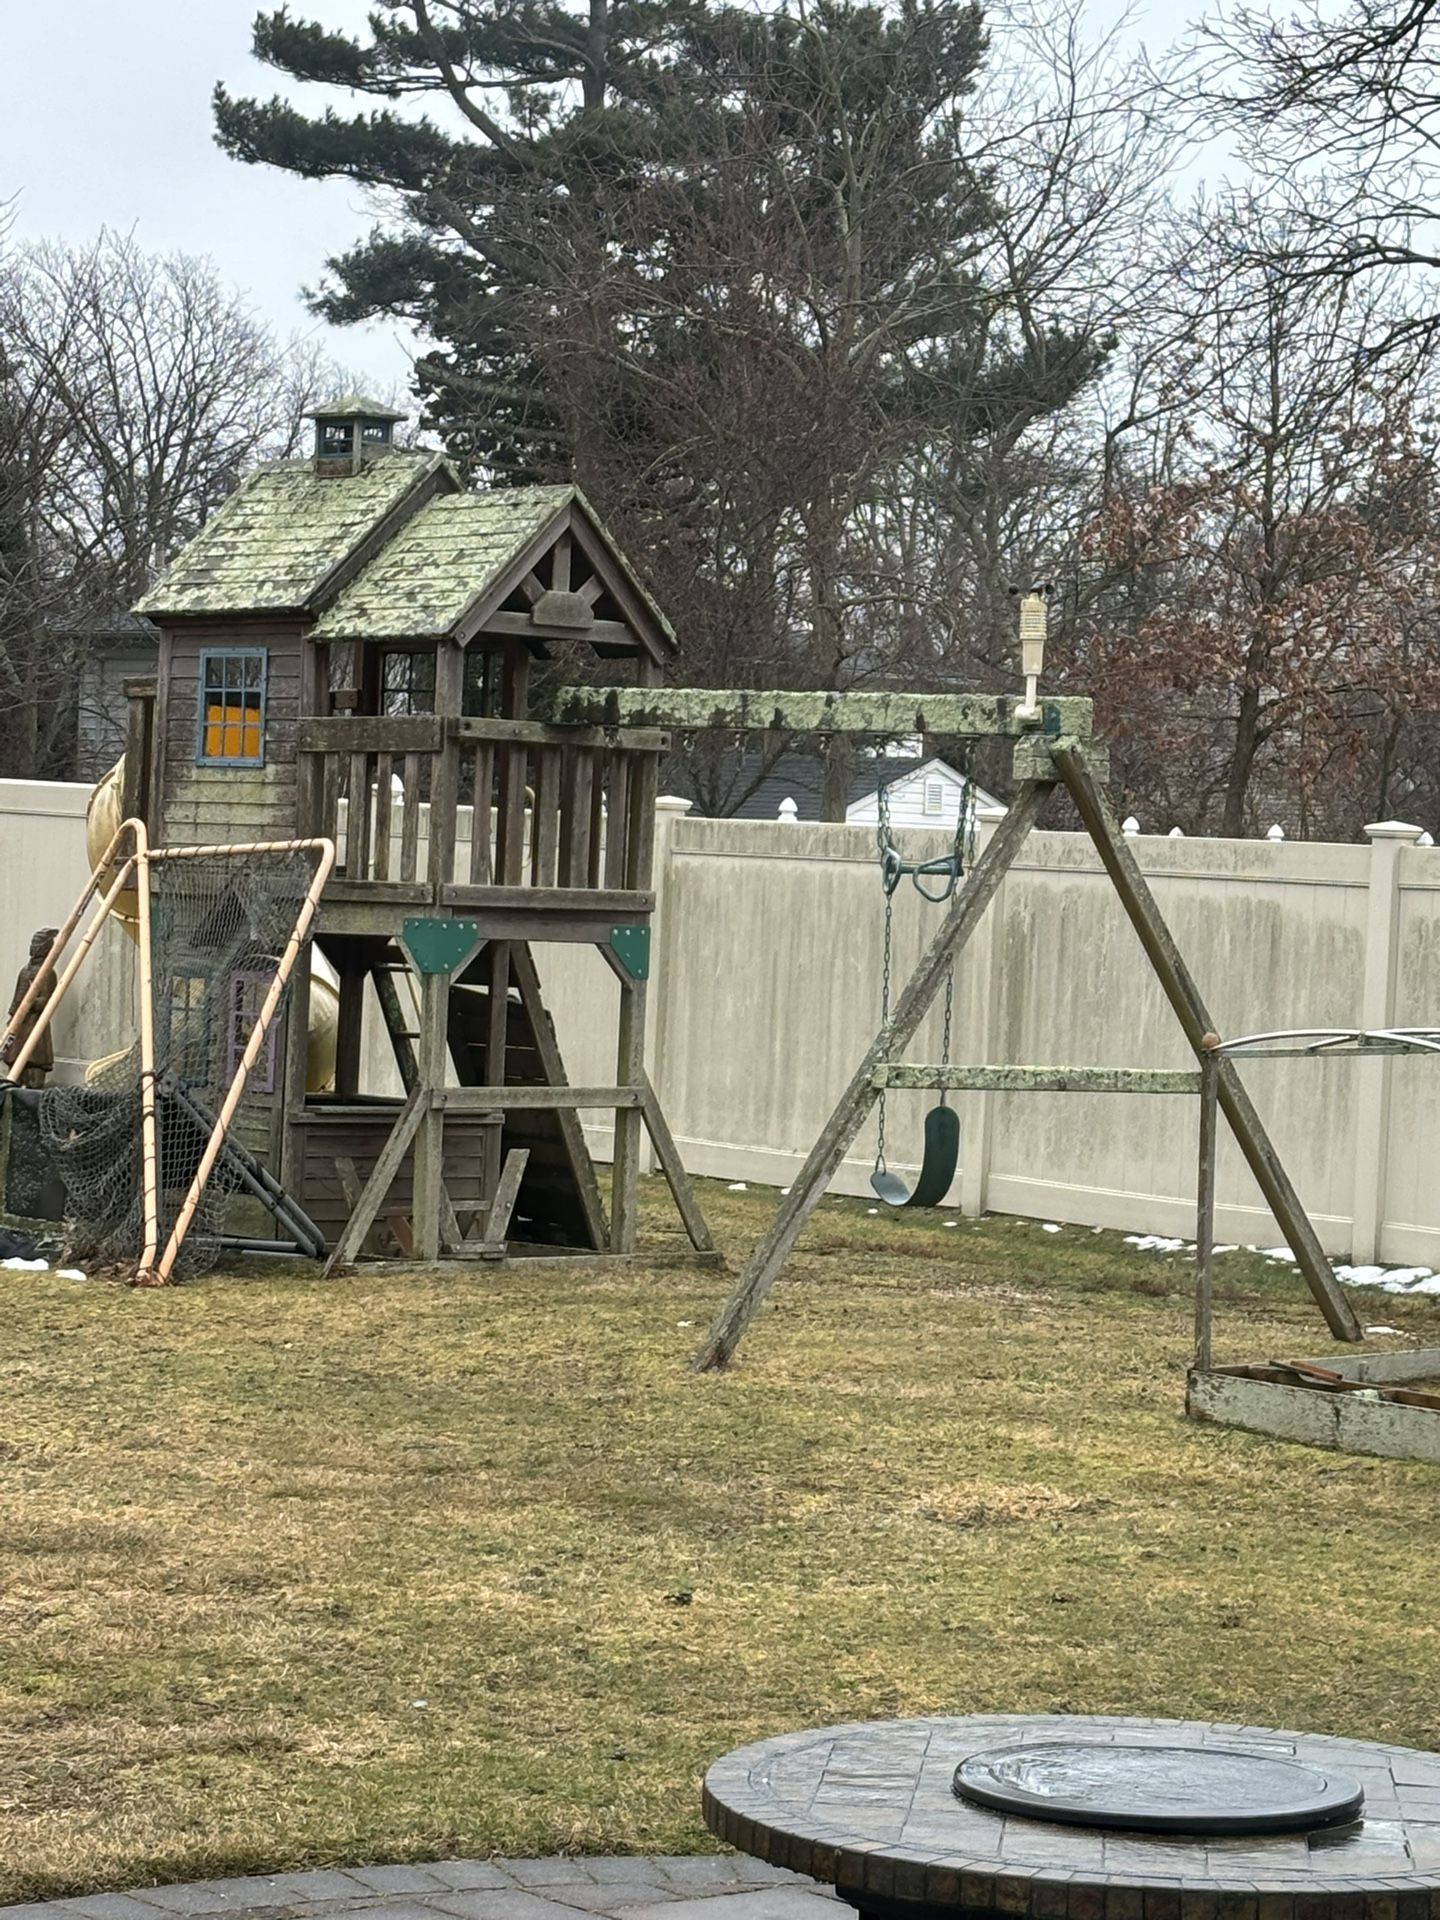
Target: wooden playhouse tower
{"x": 346, "y": 650}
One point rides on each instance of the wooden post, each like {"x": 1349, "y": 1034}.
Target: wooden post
{"x": 1205, "y": 1209}
{"x": 445, "y": 767}
{"x": 629, "y": 1072}
{"x": 1184, "y": 996}
{"x": 432, "y": 1056}
{"x": 350, "y": 1022}
{"x": 967, "y": 910}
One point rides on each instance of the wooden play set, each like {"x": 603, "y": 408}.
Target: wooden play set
{"x": 344, "y": 674}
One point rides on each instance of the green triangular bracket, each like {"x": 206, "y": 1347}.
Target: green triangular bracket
{"x": 631, "y": 947}
{"x": 439, "y": 946}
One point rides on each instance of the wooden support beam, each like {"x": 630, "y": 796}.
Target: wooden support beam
{"x": 507, "y": 1191}
{"x": 975, "y": 716}
{"x": 1205, "y": 1213}
{"x": 625, "y": 1162}
{"x": 382, "y": 1174}
{"x": 527, "y": 979}
{"x": 545, "y": 1099}
{"x": 966, "y": 911}
{"x": 541, "y": 733}
{"x": 401, "y": 1040}
{"x": 628, "y": 905}
{"x": 985, "y": 1079}
{"x": 522, "y": 625}
{"x": 1184, "y": 996}
{"x": 432, "y": 1056}
{"x": 349, "y": 1024}
{"x": 673, "y": 1168}
{"x": 347, "y": 733}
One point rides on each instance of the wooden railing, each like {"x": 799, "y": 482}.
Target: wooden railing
{"x": 551, "y": 807}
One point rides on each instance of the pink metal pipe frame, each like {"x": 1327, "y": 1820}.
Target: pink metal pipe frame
{"x": 159, "y": 1276}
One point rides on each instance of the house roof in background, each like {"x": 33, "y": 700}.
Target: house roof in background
{"x": 801, "y": 777}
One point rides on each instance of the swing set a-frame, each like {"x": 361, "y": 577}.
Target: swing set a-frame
{"x": 1055, "y": 748}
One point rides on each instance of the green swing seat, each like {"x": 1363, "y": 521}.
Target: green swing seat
{"x": 937, "y": 1167}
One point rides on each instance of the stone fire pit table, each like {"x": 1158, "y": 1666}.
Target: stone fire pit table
{"x": 873, "y": 1809}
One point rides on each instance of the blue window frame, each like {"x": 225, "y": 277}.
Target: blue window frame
{"x": 230, "y": 722}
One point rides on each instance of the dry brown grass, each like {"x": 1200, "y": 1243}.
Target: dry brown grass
{"x": 394, "y": 1567}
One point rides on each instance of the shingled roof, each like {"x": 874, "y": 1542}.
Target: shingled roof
{"x": 455, "y": 554}
{"x": 435, "y": 559}
{"x": 283, "y": 535}
{"x": 422, "y": 582}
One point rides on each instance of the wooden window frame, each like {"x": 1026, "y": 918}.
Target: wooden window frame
{"x": 207, "y": 655}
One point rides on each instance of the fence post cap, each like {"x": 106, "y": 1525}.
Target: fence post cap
{"x": 1393, "y": 830}
{"x": 673, "y": 803}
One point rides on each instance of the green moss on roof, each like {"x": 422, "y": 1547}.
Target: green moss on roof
{"x": 280, "y": 537}
{"x": 422, "y": 581}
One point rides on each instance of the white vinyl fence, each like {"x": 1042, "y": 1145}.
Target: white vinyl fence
{"x": 766, "y": 990}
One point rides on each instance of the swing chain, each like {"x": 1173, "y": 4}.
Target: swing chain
{"x": 880, "y": 1166}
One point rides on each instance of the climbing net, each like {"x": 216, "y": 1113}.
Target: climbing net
{"x": 154, "y": 1147}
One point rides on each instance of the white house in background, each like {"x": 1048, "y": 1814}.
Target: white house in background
{"x": 927, "y": 793}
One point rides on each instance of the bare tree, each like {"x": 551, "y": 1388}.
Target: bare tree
{"x": 1338, "y": 114}
{"x": 1265, "y": 619}
{"x": 134, "y": 391}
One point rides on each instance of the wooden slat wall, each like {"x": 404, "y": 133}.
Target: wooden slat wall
{"x": 212, "y": 805}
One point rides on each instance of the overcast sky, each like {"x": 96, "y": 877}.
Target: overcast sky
{"x": 105, "y": 121}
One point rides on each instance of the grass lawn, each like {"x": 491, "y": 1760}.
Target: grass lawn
{"x": 296, "y": 1573}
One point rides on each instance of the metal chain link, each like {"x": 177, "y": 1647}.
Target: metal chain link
{"x": 884, "y": 1021}
{"x": 963, "y": 858}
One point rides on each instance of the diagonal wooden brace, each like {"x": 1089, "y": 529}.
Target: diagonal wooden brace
{"x": 966, "y": 912}
{"x": 1184, "y": 996}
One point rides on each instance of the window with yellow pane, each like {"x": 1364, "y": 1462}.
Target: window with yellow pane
{"x": 232, "y": 707}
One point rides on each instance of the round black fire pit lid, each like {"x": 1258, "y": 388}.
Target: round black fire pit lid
{"x": 1155, "y": 1789}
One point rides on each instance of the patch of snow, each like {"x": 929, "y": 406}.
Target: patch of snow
{"x": 1382, "y": 1329}
{"x": 70, "y": 1273}
{"x": 16, "y": 1265}
{"x": 738, "y": 1186}
{"x": 1153, "y": 1243}
{"x": 1273, "y": 1253}
{"x": 872, "y": 1210}
{"x": 949, "y": 1223}
{"x": 1049, "y": 1227}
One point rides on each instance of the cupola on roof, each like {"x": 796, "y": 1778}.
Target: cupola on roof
{"x": 354, "y": 406}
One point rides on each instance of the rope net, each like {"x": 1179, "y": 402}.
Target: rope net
{"x": 218, "y": 924}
